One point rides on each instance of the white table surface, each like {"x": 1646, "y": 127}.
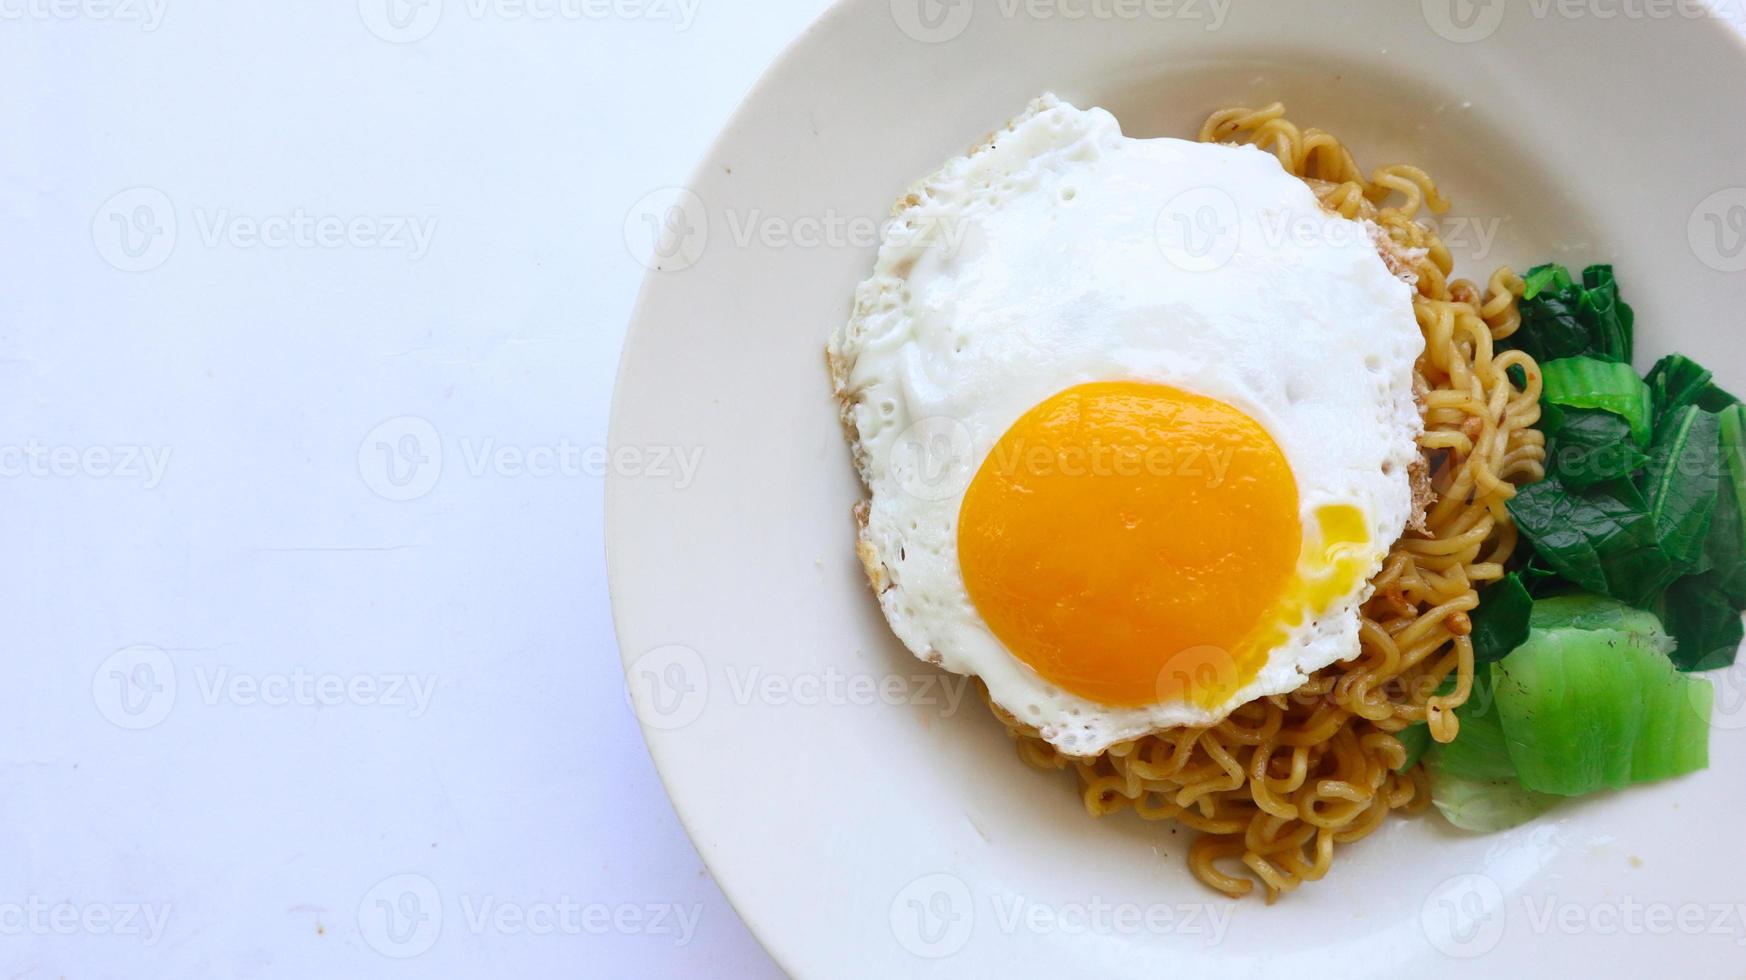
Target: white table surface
{"x": 307, "y": 341}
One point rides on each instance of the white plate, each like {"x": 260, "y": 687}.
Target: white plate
{"x": 861, "y": 838}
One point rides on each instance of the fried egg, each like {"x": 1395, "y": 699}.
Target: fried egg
{"x": 1135, "y": 418}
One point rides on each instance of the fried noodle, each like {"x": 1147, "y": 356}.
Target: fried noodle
{"x": 1275, "y": 786}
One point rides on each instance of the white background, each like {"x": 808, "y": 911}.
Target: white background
{"x": 215, "y": 389}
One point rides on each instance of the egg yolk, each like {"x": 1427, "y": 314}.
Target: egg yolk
{"x": 1134, "y": 543}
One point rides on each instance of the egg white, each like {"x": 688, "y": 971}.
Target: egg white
{"x": 1059, "y": 254}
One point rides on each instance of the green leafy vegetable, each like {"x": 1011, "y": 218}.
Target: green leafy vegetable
{"x": 1500, "y": 624}
{"x": 1675, "y": 737}
{"x": 1643, "y": 508}
{"x": 1590, "y": 701}
{"x": 1542, "y": 276}
{"x": 1602, "y": 539}
{"x": 1486, "y": 806}
{"x": 1539, "y": 576}
{"x": 1584, "y": 611}
{"x": 1725, "y": 549}
{"x": 1675, "y": 382}
{"x": 1571, "y": 725}
{"x": 1585, "y": 382}
{"x": 1584, "y": 710}
{"x": 1415, "y": 738}
{"x": 1479, "y": 750}
{"x": 1682, "y": 481}
{"x": 1473, "y": 781}
{"x": 1705, "y": 622}
{"x": 1562, "y": 318}
{"x": 1609, "y": 320}
{"x": 1590, "y": 446}
{"x": 1715, "y": 399}
{"x": 1550, "y": 329}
